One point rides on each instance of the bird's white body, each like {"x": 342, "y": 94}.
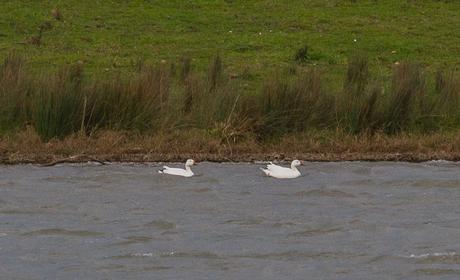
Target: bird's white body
{"x": 187, "y": 172}
{"x": 280, "y": 172}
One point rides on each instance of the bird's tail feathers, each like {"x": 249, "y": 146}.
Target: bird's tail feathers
{"x": 267, "y": 172}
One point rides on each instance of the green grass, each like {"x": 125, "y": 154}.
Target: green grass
{"x": 279, "y": 66}
{"x": 259, "y": 35}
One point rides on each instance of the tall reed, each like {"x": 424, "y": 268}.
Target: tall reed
{"x": 406, "y": 99}
{"x": 56, "y": 103}
{"x": 447, "y": 90}
{"x": 135, "y": 103}
{"x": 292, "y": 106}
{"x": 14, "y": 91}
{"x": 154, "y": 99}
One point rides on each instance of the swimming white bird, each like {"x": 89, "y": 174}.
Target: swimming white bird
{"x": 280, "y": 172}
{"x": 187, "y": 172}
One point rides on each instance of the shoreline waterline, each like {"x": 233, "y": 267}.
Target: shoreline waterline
{"x": 53, "y": 159}
{"x": 115, "y": 146}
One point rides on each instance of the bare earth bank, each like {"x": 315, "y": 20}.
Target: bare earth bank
{"x": 26, "y": 147}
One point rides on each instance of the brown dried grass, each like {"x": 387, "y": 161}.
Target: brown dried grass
{"x": 27, "y": 147}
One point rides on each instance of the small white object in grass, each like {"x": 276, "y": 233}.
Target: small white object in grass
{"x": 355, "y": 40}
{"x": 230, "y": 31}
{"x": 260, "y": 33}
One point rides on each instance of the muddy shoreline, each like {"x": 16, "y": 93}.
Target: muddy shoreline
{"x": 52, "y": 159}
{"x": 113, "y": 146}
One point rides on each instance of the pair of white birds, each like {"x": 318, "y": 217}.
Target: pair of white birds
{"x": 271, "y": 170}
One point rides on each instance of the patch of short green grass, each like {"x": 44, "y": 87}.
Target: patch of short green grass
{"x": 260, "y": 33}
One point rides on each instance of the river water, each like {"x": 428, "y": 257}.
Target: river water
{"x": 348, "y": 220}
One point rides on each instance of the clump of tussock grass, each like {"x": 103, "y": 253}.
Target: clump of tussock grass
{"x": 314, "y": 103}
{"x": 366, "y": 120}
{"x": 185, "y": 68}
{"x": 290, "y": 106}
{"x": 277, "y": 100}
{"x": 357, "y": 104}
{"x": 408, "y": 88}
{"x": 192, "y": 89}
{"x": 136, "y": 103}
{"x": 357, "y": 76}
{"x": 56, "y": 103}
{"x": 14, "y": 91}
{"x": 447, "y": 89}
{"x": 213, "y": 103}
{"x": 215, "y": 73}
{"x": 209, "y": 100}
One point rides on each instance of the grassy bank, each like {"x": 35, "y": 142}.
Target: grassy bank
{"x": 251, "y": 77}
{"x": 166, "y": 106}
{"x": 27, "y": 147}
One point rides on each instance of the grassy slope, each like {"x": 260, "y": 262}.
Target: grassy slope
{"x": 114, "y": 34}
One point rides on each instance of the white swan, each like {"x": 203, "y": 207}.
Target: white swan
{"x": 280, "y": 172}
{"x": 187, "y": 172}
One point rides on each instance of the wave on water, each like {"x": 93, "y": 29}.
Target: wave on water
{"x": 142, "y": 255}
{"x": 179, "y": 254}
{"x": 441, "y": 162}
{"x": 429, "y": 255}
{"x": 63, "y": 232}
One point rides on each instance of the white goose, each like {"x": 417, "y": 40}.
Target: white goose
{"x": 280, "y": 172}
{"x": 187, "y": 172}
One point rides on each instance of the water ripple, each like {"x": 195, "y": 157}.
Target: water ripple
{"x": 65, "y": 232}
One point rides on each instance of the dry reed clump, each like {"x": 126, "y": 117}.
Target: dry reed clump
{"x": 211, "y": 102}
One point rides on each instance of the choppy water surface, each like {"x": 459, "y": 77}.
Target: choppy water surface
{"x": 125, "y": 221}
